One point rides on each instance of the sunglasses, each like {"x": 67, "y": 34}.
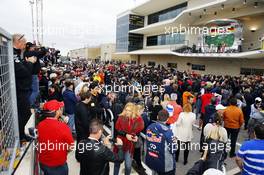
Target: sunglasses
{"x": 22, "y": 36}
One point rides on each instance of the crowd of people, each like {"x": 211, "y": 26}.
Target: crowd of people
{"x": 71, "y": 102}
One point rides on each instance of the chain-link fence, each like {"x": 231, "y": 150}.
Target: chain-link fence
{"x": 9, "y": 136}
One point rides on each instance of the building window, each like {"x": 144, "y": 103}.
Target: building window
{"x": 135, "y": 42}
{"x": 136, "y": 22}
{"x": 151, "y": 63}
{"x": 133, "y": 62}
{"x": 172, "y": 65}
{"x": 167, "y": 13}
{"x": 125, "y": 41}
{"x": 251, "y": 71}
{"x": 165, "y": 39}
{"x": 198, "y": 67}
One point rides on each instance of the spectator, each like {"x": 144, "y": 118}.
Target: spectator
{"x": 155, "y": 108}
{"x": 177, "y": 109}
{"x": 128, "y": 126}
{"x": 216, "y": 139}
{"x": 70, "y": 102}
{"x": 233, "y": 120}
{"x": 160, "y": 146}
{"x": 94, "y": 159}
{"x": 255, "y": 108}
{"x": 208, "y": 117}
{"x": 56, "y": 133}
{"x": 256, "y": 118}
{"x": 250, "y": 157}
{"x": 94, "y": 104}
{"x": 165, "y": 101}
{"x": 186, "y": 94}
{"x": 249, "y": 101}
{"x": 32, "y": 50}
{"x": 182, "y": 130}
{"x": 205, "y": 100}
{"x": 23, "y": 69}
{"x": 82, "y": 117}
{"x": 137, "y": 153}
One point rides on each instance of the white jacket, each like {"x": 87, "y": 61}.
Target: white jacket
{"x": 182, "y": 128}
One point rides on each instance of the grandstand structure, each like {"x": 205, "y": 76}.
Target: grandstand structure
{"x": 222, "y": 37}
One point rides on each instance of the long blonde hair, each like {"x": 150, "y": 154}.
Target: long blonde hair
{"x": 132, "y": 107}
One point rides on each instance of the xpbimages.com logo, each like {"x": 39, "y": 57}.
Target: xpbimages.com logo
{"x": 58, "y": 146}
{"x": 145, "y": 90}
{"x": 196, "y": 30}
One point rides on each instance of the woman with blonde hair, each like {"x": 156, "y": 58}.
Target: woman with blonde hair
{"x": 182, "y": 130}
{"x": 128, "y": 125}
{"x": 215, "y": 139}
{"x": 155, "y": 108}
{"x": 165, "y": 101}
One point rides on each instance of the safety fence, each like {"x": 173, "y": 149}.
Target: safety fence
{"x": 9, "y": 135}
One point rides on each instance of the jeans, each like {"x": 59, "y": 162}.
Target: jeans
{"x": 34, "y": 90}
{"x": 59, "y": 170}
{"x": 232, "y": 134}
{"x": 71, "y": 123}
{"x": 128, "y": 164}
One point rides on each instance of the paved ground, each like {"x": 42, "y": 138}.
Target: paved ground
{"x": 181, "y": 169}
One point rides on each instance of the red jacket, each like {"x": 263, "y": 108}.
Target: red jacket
{"x": 206, "y": 100}
{"x": 131, "y": 126}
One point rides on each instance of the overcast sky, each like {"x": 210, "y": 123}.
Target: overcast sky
{"x": 68, "y": 24}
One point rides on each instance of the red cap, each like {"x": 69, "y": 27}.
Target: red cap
{"x": 53, "y": 105}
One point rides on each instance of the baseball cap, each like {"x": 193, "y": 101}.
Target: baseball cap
{"x": 53, "y": 105}
{"x": 29, "y": 44}
{"x": 258, "y": 99}
{"x": 220, "y": 107}
{"x": 53, "y": 75}
{"x": 211, "y": 171}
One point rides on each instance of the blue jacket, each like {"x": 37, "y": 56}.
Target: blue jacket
{"x": 70, "y": 101}
{"x": 160, "y": 155}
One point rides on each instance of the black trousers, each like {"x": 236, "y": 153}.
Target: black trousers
{"x": 184, "y": 146}
{"x": 167, "y": 173}
{"x": 24, "y": 113}
{"x": 137, "y": 157}
{"x": 202, "y": 138}
{"x": 232, "y": 134}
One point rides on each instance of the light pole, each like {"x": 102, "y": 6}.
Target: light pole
{"x": 31, "y": 3}
{"x": 41, "y": 18}
{"x": 37, "y": 22}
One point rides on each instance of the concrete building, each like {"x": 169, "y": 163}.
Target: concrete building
{"x": 104, "y": 52}
{"x": 90, "y": 53}
{"x": 219, "y": 37}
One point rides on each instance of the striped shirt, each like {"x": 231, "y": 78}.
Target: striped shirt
{"x": 252, "y": 153}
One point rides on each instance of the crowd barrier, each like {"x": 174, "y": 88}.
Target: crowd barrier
{"x": 9, "y": 134}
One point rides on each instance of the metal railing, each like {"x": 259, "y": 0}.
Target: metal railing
{"x": 186, "y": 48}
{"x": 9, "y": 135}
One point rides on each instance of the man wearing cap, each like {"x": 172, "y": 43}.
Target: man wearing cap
{"x": 160, "y": 155}
{"x": 54, "y": 141}
{"x": 255, "y": 108}
{"x": 30, "y": 51}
